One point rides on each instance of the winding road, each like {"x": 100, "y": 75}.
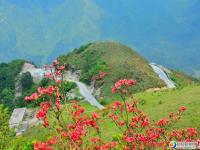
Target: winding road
{"x": 163, "y": 76}
{"x": 87, "y": 95}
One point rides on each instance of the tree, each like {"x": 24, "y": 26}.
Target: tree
{"x": 7, "y": 96}
{"x": 26, "y": 81}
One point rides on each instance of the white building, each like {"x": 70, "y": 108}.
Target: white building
{"x": 16, "y": 120}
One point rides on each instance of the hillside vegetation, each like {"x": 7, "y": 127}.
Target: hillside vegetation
{"x": 8, "y": 74}
{"x": 118, "y": 61}
{"x": 181, "y": 80}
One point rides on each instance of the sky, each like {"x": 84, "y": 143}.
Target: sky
{"x": 165, "y": 32}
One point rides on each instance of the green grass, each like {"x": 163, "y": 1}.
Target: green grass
{"x": 160, "y": 104}
{"x": 181, "y": 80}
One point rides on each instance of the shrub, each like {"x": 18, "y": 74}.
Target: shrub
{"x": 5, "y": 132}
{"x": 7, "y": 96}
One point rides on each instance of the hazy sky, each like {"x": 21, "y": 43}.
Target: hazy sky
{"x": 40, "y": 30}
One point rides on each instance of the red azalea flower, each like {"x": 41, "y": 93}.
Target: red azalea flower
{"x": 145, "y": 122}
{"x": 171, "y": 115}
{"x": 57, "y": 102}
{"x": 102, "y": 75}
{"x": 45, "y": 122}
{"x": 95, "y": 116}
{"x": 34, "y": 96}
{"x": 142, "y": 138}
{"x": 122, "y": 82}
{"x": 79, "y": 112}
{"x": 42, "y": 146}
{"x": 192, "y": 132}
{"x": 182, "y": 109}
{"x": 121, "y": 123}
{"x": 128, "y": 139}
{"x": 163, "y": 122}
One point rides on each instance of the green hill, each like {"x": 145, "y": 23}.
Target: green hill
{"x": 117, "y": 60}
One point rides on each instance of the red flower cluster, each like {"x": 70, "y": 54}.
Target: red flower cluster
{"x": 57, "y": 66}
{"x": 41, "y": 114}
{"x": 45, "y": 145}
{"x": 47, "y": 91}
{"x": 55, "y": 71}
{"x": 124, "y": 82}
{"x": 145, "y": 122}
{"x": 192, "y": 132}
{"x": 42, "y": 146}
{"x": 184, "y": 135}
{"x": 182, "y": 109}
{"x": 42, "y": 91}
{"x": 48, "y": 75}
{"x": 163, "y": 122}
{"x": 102, "y": 75}
{"x": 34, "y": 96}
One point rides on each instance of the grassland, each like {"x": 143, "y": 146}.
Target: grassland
{"x": 160, "y": 104}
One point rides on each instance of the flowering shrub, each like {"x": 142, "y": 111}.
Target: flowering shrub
{"x": 74, "y": 129}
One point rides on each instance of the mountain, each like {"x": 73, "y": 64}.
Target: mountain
{"x": 98, "y": 64}
{"x": 165, "y": 32}
{"x": 117, "y": 61}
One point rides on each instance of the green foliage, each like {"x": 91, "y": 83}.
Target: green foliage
{"x": 92, "y": 70}
{"x": 7, "y": 97}
{"x": 26, "y": 81}
{"x": 104, "y": 101}
{"x": 45, "y": 82}
{"x": 5, "y": 133}
{"x": 8, "y": 74}
{"x": 21, "y": 144}
{"x": 67, "y": 86}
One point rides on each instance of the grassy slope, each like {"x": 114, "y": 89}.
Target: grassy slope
{"x": 160, "y": 104}
{"x": 181, "y": 79}
{"x": 117, "y": 60}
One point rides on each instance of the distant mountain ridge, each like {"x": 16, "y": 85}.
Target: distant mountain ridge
{"x": 165, "y": 32}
